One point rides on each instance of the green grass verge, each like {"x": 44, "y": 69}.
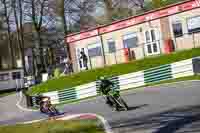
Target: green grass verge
{"x": 3, "y": 94}
{"x": 114, "y": 70}
{"x": 75, "y": 126}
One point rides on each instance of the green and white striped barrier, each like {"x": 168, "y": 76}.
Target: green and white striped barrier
{"x": 182, "y": 69}
{"x": 157, "y": 74}
{"x": 131, "y": 80}
{"x": 127, "y": 81}
{"x": 67, "y": 94}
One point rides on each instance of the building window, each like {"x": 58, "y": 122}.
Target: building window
{"x": 4, "y": 77}
{"x": 155, "y": 47}
{"x": 153, "y": 35}
{"x": 82, "y": 57}
{"x": 130, "y": 40}
{"x": 152, "y": 42}
{"x": 149, "y": 50}
{"x": 148, "y": 39}
{"x": 94, "y": 50}
{"x": 193, "y": 24}
{"x": 111, "y": 46}
{"x": 177, "y": 29}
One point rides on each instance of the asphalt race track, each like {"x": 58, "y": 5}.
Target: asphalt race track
{"x": 173, "y": 108}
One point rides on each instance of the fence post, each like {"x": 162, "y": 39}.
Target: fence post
{"x": 102, "y": 47}
{"x": 193, "y": 40}
{"x": 196, "y": 65}
{"x": 115, "y": 58}
{"x": 175, "y": 44}
{"x": 90, "y": 62}
{"x": 143, "y": 49}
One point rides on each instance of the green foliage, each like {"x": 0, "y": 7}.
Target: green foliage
{"x": 154, "y": 4}
{"x": 57, "y": 73}
{"x": 169, "y": 2}
{"x": 75, "y": 126}
{"x": 157, "y": 3}
{"x": 121, "y": 13}
{"x": 114, "y": 70}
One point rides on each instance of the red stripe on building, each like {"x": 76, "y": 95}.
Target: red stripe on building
{"x": 81, "y": 36}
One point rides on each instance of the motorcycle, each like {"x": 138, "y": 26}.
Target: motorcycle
{"x": 47, "y": 108}
{"x": 118, "y": 102}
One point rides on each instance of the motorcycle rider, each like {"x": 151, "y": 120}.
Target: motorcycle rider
{"x": 106, "y": 86}
{"x": 47, "y": 108}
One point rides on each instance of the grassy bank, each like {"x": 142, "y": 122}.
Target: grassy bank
{"x": 133, "y": 66}
{"x": 75, "y": 126}
{"x": 3, "y": 94}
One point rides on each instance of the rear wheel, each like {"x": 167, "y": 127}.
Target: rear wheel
{"x": 42, "y": 110}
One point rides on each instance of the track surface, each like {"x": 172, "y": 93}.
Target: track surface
{"x": 173, "y": 108}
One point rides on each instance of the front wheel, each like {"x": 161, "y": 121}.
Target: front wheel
{"x": 52, "y": 109}
{"x": 122, "y": 103}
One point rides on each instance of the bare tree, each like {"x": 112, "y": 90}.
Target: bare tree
{"x": 18, "y": 14}
{"x": 121, "y": 8}
{"x": 7, "y": 12}
{"x": 61, "y": 11}
{"x": 37, "y": 22}
{"x": 36, "y": 10}
{"x": 74, "y": 12}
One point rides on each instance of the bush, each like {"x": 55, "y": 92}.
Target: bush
{"x": 114, "y": 70}
{"x": 57, "y": 73}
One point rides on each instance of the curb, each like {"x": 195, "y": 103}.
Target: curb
{"x": 20, "y": 107}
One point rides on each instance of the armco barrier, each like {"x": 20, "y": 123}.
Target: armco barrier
{"x": 157, "y": 74}
{"x": 179, "y": 69}
{"x": 182, "y": 69}
{"x": 196, "y": 65}
{"x": 131, "y": 80}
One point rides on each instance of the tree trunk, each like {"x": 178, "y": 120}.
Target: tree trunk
{"x": 9, "y": 35}
{"x": 39, "y": 54}
{"x": 37, "y": 26}
{"x": 66, "y": 30}
{"x": 22, "y": 36}
{"x": 20, "y": 32}
{"x": 109, "y": 9}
